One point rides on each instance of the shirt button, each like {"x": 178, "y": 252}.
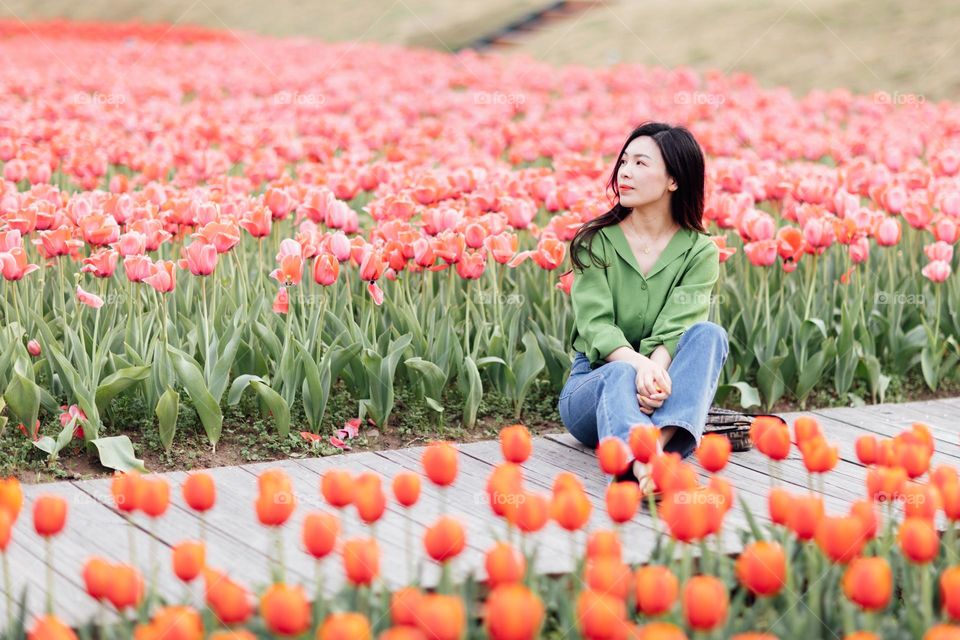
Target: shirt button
{"x": 643, "y": 285}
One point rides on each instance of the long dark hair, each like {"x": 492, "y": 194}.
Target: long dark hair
{"x": 684, "y": 163}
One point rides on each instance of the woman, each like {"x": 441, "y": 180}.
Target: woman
{"x": 644, "y": 273}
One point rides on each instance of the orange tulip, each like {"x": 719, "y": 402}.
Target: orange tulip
{"x": 918, "y": 540}
{"x": 181, "y": 622}
{"x": 610, "y": 576}
{"x": 232, "y": 635}
{"x": 346, "y": 625}
{"x": 445, "y": 539}
{"x": 643, "y": 441}
{"x": 920, "y": 500}
{"x": 604, "y": 542}
{"x": 841, "y": 538}
{"x": 865, "y": 511}
{"x": 762, "y": 568}
{"x": 942, "y": 632}
{"x": 913, "y": 457}
{"x": 96, "y": 577}
{"x": 406, "y": 488}
{"x": 613, "y": 455}
{"x": 868, "y": 583}
{"x": 658, "y": 631}
{"x": 320, "y": 532}
{"x": 774, "y": 441}
{"x": 686, "y": 514}
{"x": 504, "y": 565}
{"x": 402, "y": 633}
{"x": 515, "y": 443}
{"x": 779, "y": 502}
{"x": 504, "y": 487}
{"x": 623, "y": 498}
{"x": 657, "y": 589}
{"x": 6, "y": 530}
{"x": 943, "y": 475}
{"x": 533, "y": 511}
{"x": 862, "y": 635}
{"x": 155, "y": 498}
{"x": 513, "y": 612}
{"x": 125, "y": 586}
{"x": 49, "y": 515}
{"x": 566, "y": 480}
{"x": 867, "y": 449}
{"x": 285, "y": 610}
{"x": 950, "y": 499}
{"x": 368, "y": 497}
{"x": 818, "y": 455}
{"x": 441, "y": 616}
{"x": 671, "y": 474}
{"x": 600, "y": 615}
{"x": 885, "y": 483}
{"x": 440, "y": 463}
{"x": 361, "y": 560}
{"x": 705, "y": 602}
{"x": 714, "y": 452}
{"x": 805, "y": 515}
{"x": 127, "y": 489}
{"x": 189, "y": 558}
{"x": 337, "y": 487}
{"x": 275, "y": 502}
{"x": 199, "y": 491}
{"x": 403, "y": 606}
{"x": 49, "y": 627}
{"x": 805, "y": 428}
{"x": 229, "y": 600}
{"x": 950, "y": 591}
{"x": 11, "y": 497}
{"x": 570, "y": 508}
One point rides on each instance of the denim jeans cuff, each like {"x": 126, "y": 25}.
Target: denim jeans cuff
{"x": 688, "y": 436}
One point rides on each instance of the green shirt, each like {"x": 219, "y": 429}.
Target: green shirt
{"x": 620, "y": 307}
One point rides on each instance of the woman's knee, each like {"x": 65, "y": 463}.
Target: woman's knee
{"x": 710, "y": 332}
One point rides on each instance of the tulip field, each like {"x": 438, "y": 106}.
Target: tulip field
{"x": 887, "y": 568}
{"x": 194, "y": 220}
{"x": 199, "y": 223}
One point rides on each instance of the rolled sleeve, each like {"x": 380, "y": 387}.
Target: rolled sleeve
{"x": 593, "y": 310}
{"x": 688, "y": 302}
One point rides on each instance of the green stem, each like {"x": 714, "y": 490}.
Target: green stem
{"x": 8, "y": 588}
{"x": 48, "y": 543}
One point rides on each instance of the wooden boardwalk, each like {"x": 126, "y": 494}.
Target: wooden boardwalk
{"x": 237, "y": 543}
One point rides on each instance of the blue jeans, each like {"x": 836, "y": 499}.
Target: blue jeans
{"x": 602, "y": 401}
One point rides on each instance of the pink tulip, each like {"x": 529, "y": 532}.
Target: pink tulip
{"x": 936, "y": 271}
{"x": 257, "y": 222}
{"x": 340, "y": 246}
{"x": 281, "y": 303}
{"x": 939, "y": 251}
{"x": 137, "y": 267}
{"x": 199, "y": 257}
{"x": 131, "y": 243}
{"x": 502, "y": 246}
{"x": 472, "y": 265}
{"x": 222, "y": 235}
{"x": 946, "y": 230}
{"x": 101, "y": 263}
{"x": 163, "y": 276}
{"x": 888, "y": 233}
{"x": 33, "y": 348}
{"x": 89, "y": 299}
{"x": 326, "y": 269}
{"x": 15, "y": 265}
{"x": 762, "y": 253}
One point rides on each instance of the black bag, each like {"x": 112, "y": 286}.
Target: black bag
{"x": 734, "y": 425}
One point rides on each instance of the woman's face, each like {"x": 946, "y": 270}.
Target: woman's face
{"x": 642, "y": 177}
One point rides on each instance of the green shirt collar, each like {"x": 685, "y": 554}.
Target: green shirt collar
{"x": 681, "y": 241}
